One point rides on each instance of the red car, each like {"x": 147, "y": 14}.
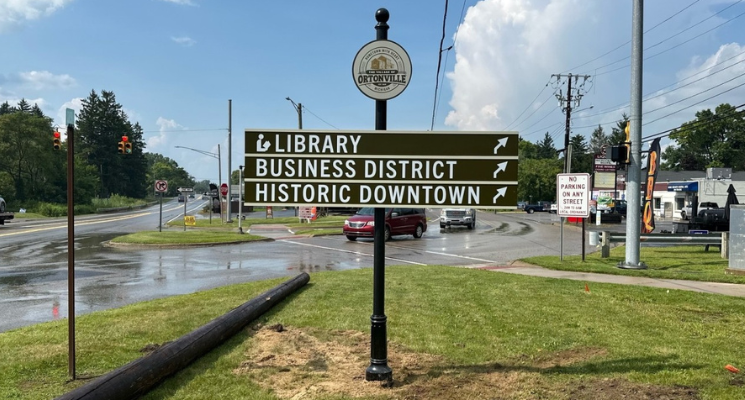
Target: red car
{"x": 398, "y": 221}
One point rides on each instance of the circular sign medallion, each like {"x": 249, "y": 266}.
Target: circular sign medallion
{"x": 381, "y": 69}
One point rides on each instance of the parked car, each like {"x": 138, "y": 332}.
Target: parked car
{"x": 620, "y": 207}
{"x": 686, "y": 212}
{"x": 521, "y": 205}
{"x": 398, "y": 221}
{"x": 554, "y": 208}
{"x": 543, "y": 206}
{"x": 457, "y": 217}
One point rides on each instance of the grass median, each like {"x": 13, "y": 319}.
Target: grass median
{"x": 680, "y": 262}
{"x": 212, "y": 232}
{"x": 454, "y": 333}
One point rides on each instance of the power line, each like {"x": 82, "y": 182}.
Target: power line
{"x": 694, "y": 95}
{"x": 321, "y": 119}
{"x": 528, "y": 106}
{"x": 647, "y": 97}
{"x": 677, "y": 45}
{"x": 439, "y": 64}
{"x": 695, "y": 124}
{"x": 447, "y": 54}
{"x": 189, "y": 130}
{"x": 697, "y": 103}
{"x": 647, "y": 31}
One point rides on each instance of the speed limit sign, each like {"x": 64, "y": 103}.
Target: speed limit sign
{"x": 161, "y": 186}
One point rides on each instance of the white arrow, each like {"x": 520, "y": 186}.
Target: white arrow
{"x": 501, "y": 143}
{"x": 500, "y": 193}
{"x": 500, "y": 167}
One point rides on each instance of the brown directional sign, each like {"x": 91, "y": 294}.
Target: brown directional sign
{"x": 381, "y": 168}
{"x": 409, "y": 169}
{"x": 381, "y": 194}
{"x": 380, "y": 143}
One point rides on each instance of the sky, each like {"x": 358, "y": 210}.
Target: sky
{"x": 174, "y": 65}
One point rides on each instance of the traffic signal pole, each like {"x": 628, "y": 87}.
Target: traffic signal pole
{"x": 633, "y": 179}
{"x": 70, "y": 252}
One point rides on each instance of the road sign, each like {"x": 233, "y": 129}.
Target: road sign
{"x": 358, "y": 168}
{"x": 224, "y": 189}
{"x": 381, "y": 69}
{"x": 602, "y": 164}
{"x": 573, "y": 195}
{"x": 431, "y": 194}
{"x": 391, "y": 144}
{"x": 69, "y": 116}
{"x": 190, "y": 220}
{"x": 185, "y": 190}
{"x": 161, "y": 186}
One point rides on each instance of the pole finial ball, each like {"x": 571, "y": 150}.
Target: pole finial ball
{"x": 382, "y": 15}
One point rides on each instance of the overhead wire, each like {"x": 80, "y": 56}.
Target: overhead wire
{"x": 439, "y": 65}
{"x": 695, "y": 124}
{"x": 628, "y": 42}
{"x": 321, "y": 119}
{"x": 675, "y": 46}
{"x": 447, "y": 54}
{"x": 647, "y": 96}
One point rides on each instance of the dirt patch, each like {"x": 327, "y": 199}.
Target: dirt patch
{"x": 308, "y": 364}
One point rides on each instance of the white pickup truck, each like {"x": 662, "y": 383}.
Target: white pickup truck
{"x": 686, "y": 212}
{"x": 457, "y": 216}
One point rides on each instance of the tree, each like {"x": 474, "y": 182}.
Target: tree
{"x": 163, "y": 168}
{"x": 618, "y": 133}
{"x": 26, "y": 154}
{"x": 526, "y": 149}
{"x": 598, "y": 140}
{"x": 582, "y": 159}
{"x": 545, "y": 148}
{"x": 713, "y": 139}
{"x": 101, "y": 125}
{"x": 537, "y": 179}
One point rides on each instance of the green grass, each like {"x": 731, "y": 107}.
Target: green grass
{"x": 171, "y": 237}
{"x": 682, "y": 262}
{"x": 474, "y": 319}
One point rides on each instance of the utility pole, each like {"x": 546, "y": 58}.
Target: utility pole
{"x": 230, "y": 151}
{"x": 633, "y": 178}
{"x": 299, "y": 108}
{"x": 572, "y": 100}
{"x": 574, "y": 96}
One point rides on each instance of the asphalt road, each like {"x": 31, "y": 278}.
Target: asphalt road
{"x": 33, "y": 263}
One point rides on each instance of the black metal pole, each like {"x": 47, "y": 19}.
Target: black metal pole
{"x": 160, "y": 220}
{"x": 378, "y": 370}
{"x": 71, "y": 251}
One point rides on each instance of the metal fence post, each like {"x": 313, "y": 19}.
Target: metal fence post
{"x": 605, "y": 245}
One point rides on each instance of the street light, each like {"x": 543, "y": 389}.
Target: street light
{"x": 219, "y": 168}
{"x": 299, "y": 108}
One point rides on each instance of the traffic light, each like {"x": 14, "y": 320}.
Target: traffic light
{"x": 56, "y": 141}
{"x": 127, "y": 145}
{"x": 120, "y": 148}
{"x": 627, "y": 143}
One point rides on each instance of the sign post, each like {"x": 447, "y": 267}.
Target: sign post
{"x": 161, "y": 187}
{"x": 185, "y": 192}
{"x": 573, "y": 200}
{"x": 223, "y": 193}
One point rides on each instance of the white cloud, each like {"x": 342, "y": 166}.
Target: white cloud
{"x": 41, "y": 80}
{"x": 184, "y": 41}
{"x": 162, "y": 138}
{"x": 14, "y": 13}
{"x": 506, "y": 46}
{"x": 181, "y": 2}
{"x": 76, "y": 104}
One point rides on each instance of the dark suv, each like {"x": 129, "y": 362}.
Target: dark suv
{"x": 398, "y": 221}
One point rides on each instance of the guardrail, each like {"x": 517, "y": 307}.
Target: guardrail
{"x": 711, "y": 239}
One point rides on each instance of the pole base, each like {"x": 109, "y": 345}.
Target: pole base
{"x": 624, "y": 265}
{"x": 379, "y": 371}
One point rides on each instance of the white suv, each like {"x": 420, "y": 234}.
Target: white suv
{"x": 457, "y": 216}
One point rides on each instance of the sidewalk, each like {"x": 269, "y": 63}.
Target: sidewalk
{"x": 521, "y": 268}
